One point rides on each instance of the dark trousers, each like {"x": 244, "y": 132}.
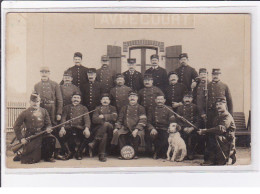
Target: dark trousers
{"x": 51, "y": 109}
{"x": 161, "y": 142}
{"x": 191, "y": 141}
{"x": 48, "y": 147}
{"x": 128, "y": 139}
{"x": 211, "y": 115}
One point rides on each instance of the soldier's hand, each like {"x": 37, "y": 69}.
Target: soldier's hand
{"x": 180, "y": 103}
{"x": 134, "y": 133}
{"x": 23, "y": 141}
{"x": 193, "y": 85}
{"x": 49, "y": 130}
{"x": 115, "y": 130}
{"x": 62, "y": 132}
{"x": 86, "y": 132}
{"x": 58, "y": 117}
{"x": 175, "y": 104}
{"x": 101, "y": 116}
{"x": 186, "y": 129}
{"x": 153, "y": 132}
{"x": 201, "y": 131}
{"x": 191, "y": 129}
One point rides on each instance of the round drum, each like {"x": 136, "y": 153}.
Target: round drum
{"x": 127, "y": 152}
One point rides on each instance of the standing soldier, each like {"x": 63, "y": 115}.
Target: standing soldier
{"x": 79, "y": 72}
{"x": 68, "y": 89}
{"x": 217, "y": 88}
{"x": 92, "y": 91}
{"x": 119, "y": 94}
{"x": 174, "y": 93}
{"x": 78, "y": 128}
{"x": 130, "y": 124}
{"x": 148, "y": 94}
{"x": 50, "y": 94}
{"x": 35, "y": 119}
{"x": 187, "y": 74}
{"x": 105, "y": 75}
{"x": 159, "y": 74}
{"x": 190, "y": 112}
{"x": 104, "y": 117}
{"x": 220, "y": 145}
{"x": 158, "y": 121}
{"x": 133, "y": 78}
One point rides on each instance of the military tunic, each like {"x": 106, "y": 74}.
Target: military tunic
{"x": 160, "y": 79}
{"x": 186, "y": 75}
{"x": 147, "y": 96}
{"x": 174, "y": 93}
{"x": 67, "y": 90}
{"x": 105, "y": 76}
{"x": 51, "y": 98}
{"x": 119, "y": 96}
{"x": 134, "y": 80}
{"x": 220, "y": 139}
{"x": 91, "y": 95}
{"x": 34, "y": 121}
{"x": 200, "y": 96}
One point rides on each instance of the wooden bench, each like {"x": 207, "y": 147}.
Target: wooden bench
{"x": 243, "y": 132}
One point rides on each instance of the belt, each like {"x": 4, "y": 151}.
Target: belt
{"x": 48, "y": 102}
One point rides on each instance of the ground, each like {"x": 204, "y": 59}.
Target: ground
{"x": 243, "y": 158}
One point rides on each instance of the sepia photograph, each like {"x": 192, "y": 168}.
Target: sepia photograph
{"x": 92, "y": 90}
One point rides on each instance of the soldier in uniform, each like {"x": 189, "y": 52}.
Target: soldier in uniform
{"x": 158, "y": 121}
{"x": 119, "y": 94}
{"x": 130, "y": 124}
{"x": 78, "y": 128}
{"x": 79, "y": 72}
{"x": 68, "y": 89}
{"x": 220, "y": 144}
{"x": 148, "y": 94}
{"x": 159, "y": 74}
{"x": 50, "y": 93}
{"x": 92, "y": 91}
{"x": 175, "y": 91}
{"x": 104, "y": 117}
{"x": 190, "y": 112}
{"x": 35, "y": 119}
{"x": 187, "y": 74}
{"x": 105, "y": 75}
{"x": 133, "y": 78}
{"x": 217, "y": 88}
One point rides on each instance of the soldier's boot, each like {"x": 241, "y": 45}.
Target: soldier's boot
{"x": 155, "y": 156}
{"x": 50, "y": 160}
{"x": 78, "y": 155}
{"x": 58, "y": 156}
{"x": 68, "y": 153}
{"x": 102, "y": 158}
{"x": 17, "y": 158}
{"x": 233, "y": 157}
{"x": 91, "y": 146}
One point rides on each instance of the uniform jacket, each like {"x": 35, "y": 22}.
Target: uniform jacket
{"x": 119, "y": 96}
{"x": 79, "y": 75}
{"x": 134, "y": 81}
{"x": 91, "y": 95}
{"x": 71, "y": 111}
{"x": 189, "y": 112}
{"x": 199, "y": 96}
{"x": 217, "y": 89}
{"x": 147, "y": 96}
{"x": 174, "y": 93}
{"x": 34, "y": 121}
{"x": 50, "y": 93}
{"x": 160, "y": 78}
{"x": 109, "y": 112}
{"x": 67, "y": 91}
{"x": 186, "y": 75}
{"x": 106, "y": 78}
{"x": 159, "y": 117}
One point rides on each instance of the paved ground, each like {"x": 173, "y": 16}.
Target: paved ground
{"x": 243, "y": 158}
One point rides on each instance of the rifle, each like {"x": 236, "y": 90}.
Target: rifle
{"x": 15, "y": 148}
{"x": 182, "y": 118}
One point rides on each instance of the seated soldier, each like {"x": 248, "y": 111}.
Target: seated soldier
{"x": 130, "y": 124}
{"x": 35, "y": 119}
{"x": 220, "y": 139}
{"x": 159, "y": 119}
{"x": 104, "y": 117}
{"x": 78, "y": 128}
{"x": 190, "y": 112}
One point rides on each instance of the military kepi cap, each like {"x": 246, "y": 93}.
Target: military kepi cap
{"x": 188, "y": 94}
{"x": 216, "y": 71}
{"x": 202, "y": 70}
{"x": 183, "y": 55}
{"x": 118, "y": 75}
{"x": 76, "y": 93}
{"x": 154, "y": 56}
{"x": 91, "y": 70}
{"x": 104, "y": 58}
{"x": 78, "y": 54}
{"x": 148, "y": 76}
{"x": 131, "y": 60}
{"x": 172, "y": 73}
{"x": 44, "y": 69}
{"x": 221, "y": 99}
{"x": 131, "y": 93}
{"x": 105, "y": 95}
{"x": 34, "y": 97}
{"x": 67, "y": 73}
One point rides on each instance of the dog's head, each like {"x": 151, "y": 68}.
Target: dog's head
{"x": 174, "y": 128}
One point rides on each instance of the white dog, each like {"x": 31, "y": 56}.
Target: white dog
{"x": 176, "y": 144}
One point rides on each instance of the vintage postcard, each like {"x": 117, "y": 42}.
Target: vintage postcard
{"x": 91, "y": 90}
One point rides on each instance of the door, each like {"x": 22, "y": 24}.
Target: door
{"x": 114, "y": 53}
{"x": 172, "y": 57}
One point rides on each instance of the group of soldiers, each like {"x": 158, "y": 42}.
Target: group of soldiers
{"x": 101, "y": 111}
